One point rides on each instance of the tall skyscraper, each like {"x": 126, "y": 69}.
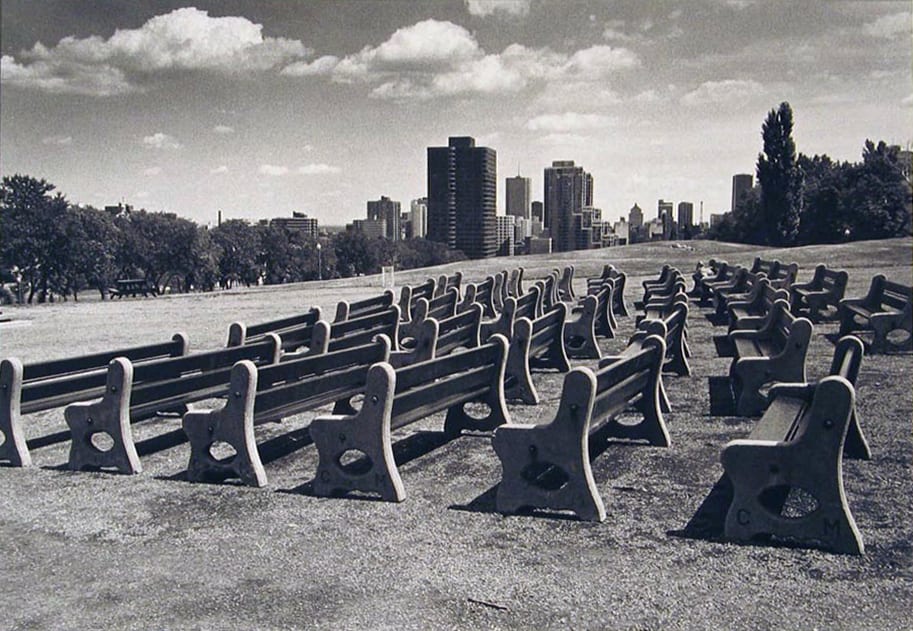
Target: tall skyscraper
{"x": 387, "y": 210}
{"x": 462, "y": 185}
{"x": 636, "y": 217}
{"x": 538, "y": 212}
{"x": 418, "y": 217}
{"x": 664, "y": 212}
{"x": 741, "y": 184}
{"x": 568, "y": 189}
{"x": 517, "y": 190}
{"x": 685, "y": 217}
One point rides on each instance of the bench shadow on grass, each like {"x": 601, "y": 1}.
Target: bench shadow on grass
{"x": 599, "y": 443}
{"x": 406, "y": 450}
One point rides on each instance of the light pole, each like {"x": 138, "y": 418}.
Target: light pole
{"x": 319, "y": 270}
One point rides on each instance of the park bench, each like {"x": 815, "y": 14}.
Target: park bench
{"x": 701, "y": 272}
{"x": 515, "y": 282}
{"x": 548, "y": 289}
{"x": 796, "y": 449}
{"x": 439, "y": 307}
{"x": 547, "y": 466}
{"x": 613, "y": 285}
{"x": 499, "y": 293}
{"x": 396, "y": 398}
{"x": 145, "y": 390}
{"x": 769, "y": 267}
{"x": 887, "y": 307}
{"x": 751, "y": 312}
{"x": 349, "y": 333}
{"x": 670, "y": 324}
{"x": 588, "y": 319}
{"x": 659, "y": 306}
{"x": 368, "y": 306}
{"x": 461, "y": 331}
{"x": 826, "y": 287}
{"x": 671, "y": 283}
{"x": 410, "y": 294}
{"x": 618, "y": 292}
{"x": 41, "y": 386}
{"x": 725, "y": 281}
{"x": 445, "y": 282}
{"x": 735, "y": 290}
{"x": 133, "y": 286}
{"x": 529, "y": 305}
{"x": 239, "y": 333}
{"x": 481, "y": 293}
{"x": 775, "y": 352}
{"x": 785, "y": 276}
{"x": 722, "y": 274}
{"x": 565, "y": 286}
{"x": 660, "y": 281}
{"x": 268, "y": 394}
{"x": 537, "y": 344}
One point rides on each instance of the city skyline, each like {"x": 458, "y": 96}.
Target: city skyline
{"x": 259, "y": 109}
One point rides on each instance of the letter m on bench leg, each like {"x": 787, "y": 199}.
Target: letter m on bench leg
{"x": 548, "y": 466}
{"x": 365, "y": 435}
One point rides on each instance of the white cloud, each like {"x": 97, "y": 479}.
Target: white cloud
{"x": 219, "y": 169}
{"x": 320, "y": 66}
{"x": 318, "y": 169}
{"x": 568, "y": 122}
{"x": 576, "y": 95}
{"x": 559, "y": 139}
{"x": 223, "y": 129}
{"x": 729, "y": 91}
{"x": 159, "y": 140}
{"x": 890, "y": 26}
{"x": 271, "y": 169}
{"x": 184, "y": 39}
{"x": 151, "y": 171}
{"x": 484, "y": 8}
{"x": 434, "y": 58}
{"x": 57, "y": 140}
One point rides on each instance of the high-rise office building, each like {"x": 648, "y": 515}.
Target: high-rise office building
{"x": 517, "y": 191}
{"x": 418, "y": 217}
{"x": 462, "y": 185}
{"x": 664, "y": 212}
{"x": 741, "y": 184}
{"x": 506, "y": 230}
{"x": 538, "y": 212}
{"x": 685, "y": 217}
{"x": 636, "y": 217}
{"x": 568, "y": 190}
{"x": 387, "y": 210}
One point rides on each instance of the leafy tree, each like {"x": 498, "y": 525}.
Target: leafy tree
{"x": 87, "y": 255}
{"x": 240, "y": 247}
{"x": 780, "y": 178}
{"x": 274, "y": 255}
{"x": 879, "y": 195}
{"x": 354, "y": 254}
{"x": 33, "y": 231}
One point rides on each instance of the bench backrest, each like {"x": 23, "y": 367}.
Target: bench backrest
{"x": 358, "y": 331}
{"x": 548, "y": 289}
{"x": 239, "y": 333}
{"x": 515, "y": 282}
{"x": 884, "y": 293}
{"x": 359, "y": 308}
{"x": 179, "y": 378}
{"x": 291, "y": 387}
{"x": 629, "y": 379}
{"x": 431, "y": 386}
{"x": 445, "y": 282}
{"x": 411, "y": 293}
{"x": 786, "y": 329}
{"x": 546, "y": 328}
{"x": 440, "y": 307}
{"x": 529, "y": 305}
{"x": 784, "y": 276}
{"x": 459, "y": 331}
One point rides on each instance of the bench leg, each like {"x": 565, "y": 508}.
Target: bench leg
{"x": 762, "y": 472}
{"x": 365, "y": 435}
{"x": 14, "y": 448}
{"x": 232, "y": 424}
{"x": 109, "y": 416}
{"x": 883, "y": 325}
{"x": 580, "y": 334}
{"x": 548, "y": 466}
{"x": 519, "y": 380}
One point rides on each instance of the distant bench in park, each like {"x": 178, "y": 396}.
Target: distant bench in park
{"x": 751, "y": 311}
{"x": 885, "y": 309}
{"x": 826, "y": 289}
{"x": 40, "y": 386}
{"x": 133, "y": 286}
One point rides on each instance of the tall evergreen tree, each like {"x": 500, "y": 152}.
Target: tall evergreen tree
{"x": 780, "y": 178}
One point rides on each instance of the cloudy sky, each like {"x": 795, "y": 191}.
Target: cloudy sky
{"x": 259, "y": 108}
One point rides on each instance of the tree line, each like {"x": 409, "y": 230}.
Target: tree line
{"x": 802, "y": 200}
{"x": 52, "y": 248}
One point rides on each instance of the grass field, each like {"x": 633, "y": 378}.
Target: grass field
{"x": 82, "y": 550}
